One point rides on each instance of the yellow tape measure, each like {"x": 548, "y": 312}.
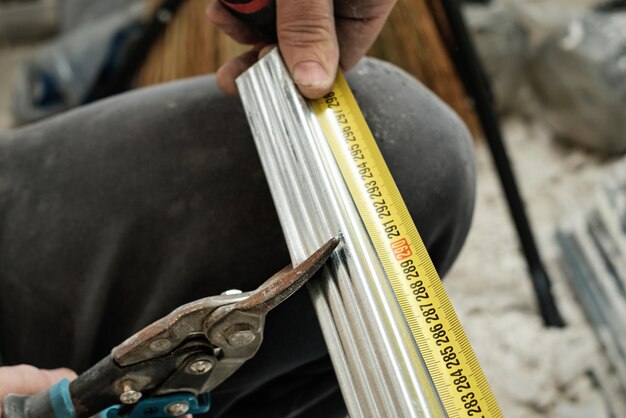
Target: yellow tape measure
{"x": 458, "y": 378}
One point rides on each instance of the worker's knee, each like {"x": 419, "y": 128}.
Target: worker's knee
{"x": 427, "y": 147}
{"x": 428, "y": 150}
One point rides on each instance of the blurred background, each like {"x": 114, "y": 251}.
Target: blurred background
{"x": 554, "y": 76}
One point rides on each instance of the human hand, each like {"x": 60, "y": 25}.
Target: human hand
{"x": 28, "y": 380}
{"x": 314, "y": 38}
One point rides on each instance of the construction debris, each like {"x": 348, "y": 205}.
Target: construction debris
{"x": 593, "y": 257}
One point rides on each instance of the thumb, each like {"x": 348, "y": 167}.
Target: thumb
{"x": 27, "y": 380}
{"x": 308, "y": 43}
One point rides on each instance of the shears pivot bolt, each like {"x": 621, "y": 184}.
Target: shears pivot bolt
{"x": 239, "y": 335}
{"x": 177, "y": 408}
{"x": 200, "y": 367}
{"x": 129, "y": 396}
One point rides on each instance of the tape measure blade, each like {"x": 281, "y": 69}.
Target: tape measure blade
{"x": 450, "y": 360}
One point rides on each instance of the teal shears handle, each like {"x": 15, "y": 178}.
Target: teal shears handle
{"x": 169, "y": 406}
{"x": 56, "y": 402}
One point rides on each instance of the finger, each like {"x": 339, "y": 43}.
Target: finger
{"x": 358, "y": 25}
{"x": 230, "y": 25}
{"x": 228, "y": 72}
{"x": 308, "y": 43}
{"x": 27, "y": 380}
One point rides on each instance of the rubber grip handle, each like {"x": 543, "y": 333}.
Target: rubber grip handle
{"x": 260, "y": 15}
{"x": 52, "y": 403}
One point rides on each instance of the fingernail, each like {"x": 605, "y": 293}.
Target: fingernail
{"x": 310, "y": 74}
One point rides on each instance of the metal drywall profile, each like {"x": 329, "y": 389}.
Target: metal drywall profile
{"x": 378, "y": 365}
{"x": 592, "y": 251}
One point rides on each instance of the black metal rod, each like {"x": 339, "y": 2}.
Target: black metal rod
{"x": 473, "y": 76}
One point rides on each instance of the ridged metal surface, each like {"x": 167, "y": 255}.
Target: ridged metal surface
{"x": 379, "y": 368}
{"x": 593, "y": 256}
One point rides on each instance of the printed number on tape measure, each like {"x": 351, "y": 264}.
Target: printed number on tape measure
{"x": 458, "y": 379}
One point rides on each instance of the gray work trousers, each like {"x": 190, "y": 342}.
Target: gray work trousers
{"x": 115, "y": 213}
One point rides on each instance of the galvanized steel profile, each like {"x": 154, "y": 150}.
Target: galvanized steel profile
{"x": 377, "y": 362}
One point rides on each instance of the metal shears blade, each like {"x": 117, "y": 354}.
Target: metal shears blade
{"x": 286, "y": 282}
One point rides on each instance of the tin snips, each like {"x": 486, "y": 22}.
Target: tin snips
{"x": 169, "y": 368}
